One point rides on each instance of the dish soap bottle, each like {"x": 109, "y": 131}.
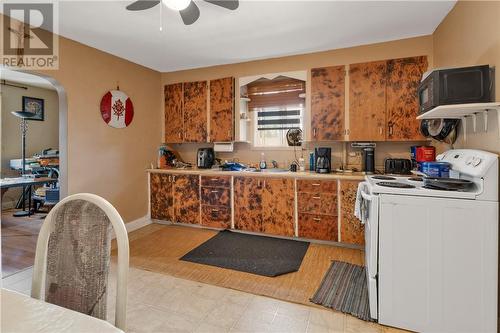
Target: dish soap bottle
{"x": 263, "y": 164}
{"x": 311, "y": 162}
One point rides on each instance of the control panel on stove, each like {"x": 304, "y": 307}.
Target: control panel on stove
{"x": 471, "y": 162}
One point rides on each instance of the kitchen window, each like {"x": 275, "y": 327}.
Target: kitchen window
{"x": 271, "y": 124}
{"x": 275, "y": 106}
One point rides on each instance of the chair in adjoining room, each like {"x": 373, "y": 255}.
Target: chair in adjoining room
{"x": 72, "y": 258}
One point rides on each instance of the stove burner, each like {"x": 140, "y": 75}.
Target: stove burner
{"x": 431, "y": 187}
{"x": 383, "y": 178}
{"x": 416, "y": 179}
{"x": 396, "y": 185}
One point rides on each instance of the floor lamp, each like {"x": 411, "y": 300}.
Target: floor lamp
{"x": 24, "y": 129}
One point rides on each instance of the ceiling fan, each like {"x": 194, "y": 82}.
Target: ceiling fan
{"x": 188, "y": 10}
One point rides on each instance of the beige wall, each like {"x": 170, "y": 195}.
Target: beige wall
{"x": 103, "y": 160}
{"x": 470, "y": 35}
{"x": 107, "y": 161}
{"x": 243, "y": 152}
{"x": 41, "y": 134}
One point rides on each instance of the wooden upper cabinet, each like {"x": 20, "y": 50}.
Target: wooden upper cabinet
{"x": 174, "y": 105}
{"x": 403, "y": 78}
{"x": 327, "y": 103}
{"x": 195, "y": 111}
{"x": 278, "y": 197}
{"x": 221, "y": 110}
{"x": 367, "y": 85}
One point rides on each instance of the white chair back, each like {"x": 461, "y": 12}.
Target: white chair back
{"x": 78, "y": 229}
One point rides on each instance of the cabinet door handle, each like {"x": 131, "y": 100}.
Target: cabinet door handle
{"x": 214, "y": 191}
{"x": 259, "y": 183}
{"x": 169, "y": 179}
{"x": 264, "y": 183}
{"x": 173, "y": 178}
{"x": 215, "y": 210}
{"x": 314, "y": 132}
{"x": 214, "y": 179}
{"x": 380, "y": 130}
{"x": 180, "y": 135}
{"x": 317, "y": 219}
{"x": 316, "y": 184}
{"x": 317, "y": 197}
{"x": 390, "y": 129}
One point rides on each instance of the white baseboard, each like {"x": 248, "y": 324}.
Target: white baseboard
{"x": 135, "y": 224}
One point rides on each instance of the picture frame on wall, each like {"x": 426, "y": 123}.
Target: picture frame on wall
{"x": 36, "y": 106}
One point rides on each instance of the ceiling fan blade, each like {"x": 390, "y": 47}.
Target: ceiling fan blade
{"x": 228, "y": 4}
{"x": 142, "y": 4}
{"x": 190, "y": 14}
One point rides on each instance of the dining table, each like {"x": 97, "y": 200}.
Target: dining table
{"x": 20, "y": 313}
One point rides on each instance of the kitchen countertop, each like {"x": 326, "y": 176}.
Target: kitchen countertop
{"x": 306, "y": 174}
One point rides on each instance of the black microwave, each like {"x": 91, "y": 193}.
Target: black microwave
{"x": 455, "y": 86}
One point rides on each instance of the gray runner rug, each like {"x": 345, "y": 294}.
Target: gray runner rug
{"x": 344, "y": 289}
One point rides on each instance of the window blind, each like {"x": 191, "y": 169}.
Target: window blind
{"x": 278, "y": 102}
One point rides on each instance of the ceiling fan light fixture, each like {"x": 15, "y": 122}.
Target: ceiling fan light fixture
{"x": 176, "y": 4}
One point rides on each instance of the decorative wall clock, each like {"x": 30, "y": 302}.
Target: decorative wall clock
{"x": 117, "y": 109}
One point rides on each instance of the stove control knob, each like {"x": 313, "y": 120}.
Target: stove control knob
{"x": 469, "y": 160}
{"x": 476, "y": 161}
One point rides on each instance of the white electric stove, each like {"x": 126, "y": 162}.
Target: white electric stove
{"x": 432, "y": 255}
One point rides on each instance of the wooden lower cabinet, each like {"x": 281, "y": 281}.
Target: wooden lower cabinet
{"x": 264, "y": 205}
{"x": 162, "y": 201}
{"x": 351, "y": 229}
{"x": 248, "y": 203}
{"x": 317, "y": 207}
{"x": 186, "y": 193}
{"x": 216, "y": 202}
{"x": 216, "y": 216}
{"x": 278, "y": 207}
{"x": 316, "y": 226}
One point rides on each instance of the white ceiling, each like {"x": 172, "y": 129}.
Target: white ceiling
{"x": 256, "y": 30}
{"x": 21, "y": 78}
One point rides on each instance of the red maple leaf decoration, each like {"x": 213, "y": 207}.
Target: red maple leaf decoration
{"x": 118, "y": 109}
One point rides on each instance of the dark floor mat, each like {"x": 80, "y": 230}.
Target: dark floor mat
{"x": 344, "y": 289}
{"x": 250, "y": 253}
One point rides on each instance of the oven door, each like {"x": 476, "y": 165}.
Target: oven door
{"x": 371, "y": 249}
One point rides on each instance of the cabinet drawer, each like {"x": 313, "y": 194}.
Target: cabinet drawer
{"x": 216, "y": 181}
{"x": 317, "y": 203}
{"x": 216, "y": 216}
{"x": 318, "y": 227}
{"x": 317, "y": 186}
{"x": 215, "y": 196}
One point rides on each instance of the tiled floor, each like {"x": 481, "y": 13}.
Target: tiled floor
{"x": 162, "y": 303}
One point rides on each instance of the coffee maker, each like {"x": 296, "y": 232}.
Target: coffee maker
{"x": 205, "y": 158}
{"x": 323, "y": 158}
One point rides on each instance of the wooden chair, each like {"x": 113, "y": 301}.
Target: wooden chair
{"x": 73, "y": 256}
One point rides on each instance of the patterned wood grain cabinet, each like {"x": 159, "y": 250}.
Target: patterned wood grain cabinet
{"x": 327, "y": 103}
{"x": 174, "y": 98}
{"x": 215, "y": 196}
{"x": 195, "y": 111}
{"x": 187, "y": 199}
{"x": 367, "y": 85}
{"x": 315, "y": 226}
{"x": 248, "y": 203}
{"x": 403, "y": 77}
{"x": 221, "y": 109}
{"x": 216, "y": 217}
{"x": 278, "y": 206}
{"x": 162, "y": 207}
{"x": 352, "y": 231}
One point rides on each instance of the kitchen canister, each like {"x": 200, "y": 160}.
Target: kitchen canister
{"x": 436, "y": 169}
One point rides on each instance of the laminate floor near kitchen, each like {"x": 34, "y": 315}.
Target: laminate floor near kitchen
{"x": 158, "y": 248}
{"x": 19, "y": 236}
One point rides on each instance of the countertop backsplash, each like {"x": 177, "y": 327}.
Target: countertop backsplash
{"x": 351, "y": 157}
